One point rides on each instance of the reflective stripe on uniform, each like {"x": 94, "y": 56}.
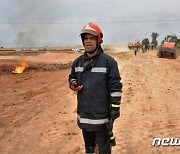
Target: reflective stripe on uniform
{"x": 115, "y": 94}
{"x": 99, "y": 69}
{"x": 78, "y": 69}
{"x": 112, "y": 138}
{"x": 91, "y": 121}
{"x": 115, "y": 105}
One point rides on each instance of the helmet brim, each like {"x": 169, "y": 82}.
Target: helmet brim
{"x": 89, "y": 32}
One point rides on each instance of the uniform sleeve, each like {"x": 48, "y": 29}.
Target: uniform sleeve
{"x": 114, "y": 85}
{"x": 72, "y": 75}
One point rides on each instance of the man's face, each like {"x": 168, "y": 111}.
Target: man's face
{"x": 90, "y": 43}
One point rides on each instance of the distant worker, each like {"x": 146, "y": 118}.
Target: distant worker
{"x": 143, "y": 48}
{"x": 96, "y": 79}
{"x": 135, "y": 51}
{"x": 146, "y": 47}
{"x": 152, "y": 46}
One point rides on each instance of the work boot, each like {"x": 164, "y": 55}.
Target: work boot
{"x": 112, "y": 140}
{"x": 90, "y": 150}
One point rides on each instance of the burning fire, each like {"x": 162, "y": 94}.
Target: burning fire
{"x": 20, "y": 68}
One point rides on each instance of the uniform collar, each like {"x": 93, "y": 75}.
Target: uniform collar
{"x": 100, "y": 50}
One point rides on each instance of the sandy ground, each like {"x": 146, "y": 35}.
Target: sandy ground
{"x": 38, "y": 110}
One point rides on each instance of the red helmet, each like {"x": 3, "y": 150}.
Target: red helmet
{"x": 93, "y": 29}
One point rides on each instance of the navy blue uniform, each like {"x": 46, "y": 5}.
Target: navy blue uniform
{"x": 100, "y": 78}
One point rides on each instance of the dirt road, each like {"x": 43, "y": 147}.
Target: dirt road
{"x": 38, "y": 111}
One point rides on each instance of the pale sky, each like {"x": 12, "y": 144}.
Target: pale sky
{"x": 59, "y": 22}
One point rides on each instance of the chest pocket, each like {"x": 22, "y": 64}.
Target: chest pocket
{"x": 98, "y": 75}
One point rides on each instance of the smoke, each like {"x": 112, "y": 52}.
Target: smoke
{"x": 121, "y": 49}
{"x": 29, "y": 17}
{"x": 27, "y": 38}
{"x": 117, "y": 48}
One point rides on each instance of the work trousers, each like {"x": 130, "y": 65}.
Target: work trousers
{"x": 101, "y": 138}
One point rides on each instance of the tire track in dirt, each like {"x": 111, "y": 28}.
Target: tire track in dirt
{"x": 149, "y": 103}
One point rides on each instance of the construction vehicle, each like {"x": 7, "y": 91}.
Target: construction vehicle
{"x": 168, "y": 48}
{"x": 136, "y": 44}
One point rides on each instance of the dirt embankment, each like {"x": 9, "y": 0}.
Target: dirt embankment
{"x": 38, "y": 111}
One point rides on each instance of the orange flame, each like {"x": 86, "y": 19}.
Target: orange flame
{"x": 20, "y": 68}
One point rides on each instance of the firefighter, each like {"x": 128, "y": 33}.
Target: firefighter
{"x": 96, "y": 79}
